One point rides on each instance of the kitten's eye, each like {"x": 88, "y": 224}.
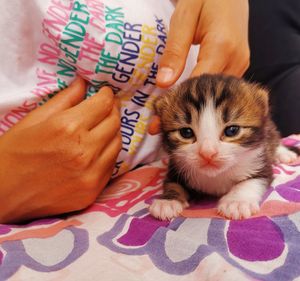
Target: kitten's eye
{"x": 231, "y": 131}
{"x": 186, "y": 133}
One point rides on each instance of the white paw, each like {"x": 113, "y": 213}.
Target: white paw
{"x": 237, "y": 209}
{"x": 284, "y": 155}
{"x": 166, "y": 209}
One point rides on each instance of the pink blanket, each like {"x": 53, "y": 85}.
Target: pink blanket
{"x": 117, "y": 239}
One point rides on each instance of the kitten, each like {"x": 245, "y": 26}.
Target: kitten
{"x": 221, "y": 141}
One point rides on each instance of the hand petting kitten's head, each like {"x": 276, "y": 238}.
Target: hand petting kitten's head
{"x": 209, "y": 123}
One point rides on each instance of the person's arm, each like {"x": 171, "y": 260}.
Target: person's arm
{"x": 221, "y": 29}
{"x": 60, "y": 156}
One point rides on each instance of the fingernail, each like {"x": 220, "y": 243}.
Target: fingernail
{"x": 165, "y": 75}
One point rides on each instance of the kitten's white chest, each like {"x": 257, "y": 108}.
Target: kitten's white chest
{"x": 222, "y": 183}
{"x": 217, "y": 185}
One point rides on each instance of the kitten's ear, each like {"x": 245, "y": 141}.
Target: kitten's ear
{"x": 159, "y": 104}
{"x": 154, "y": 125}
{"x": 263, "y": 99}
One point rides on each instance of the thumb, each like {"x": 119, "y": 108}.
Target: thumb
{"x": 180, "y": 37}
{"x": 65, "y": 99}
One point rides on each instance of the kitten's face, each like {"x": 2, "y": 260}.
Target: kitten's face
{"x": 209, "y": 123}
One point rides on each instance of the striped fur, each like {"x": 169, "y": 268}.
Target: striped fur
{"x": 207, "y": 105}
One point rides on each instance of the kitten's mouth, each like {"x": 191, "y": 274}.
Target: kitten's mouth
{"x": 210, "y": 164}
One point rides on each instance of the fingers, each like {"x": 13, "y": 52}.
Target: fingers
{"x": 67, "y": 98}
{"x": 239, "y": 64}
{"x": 154, "y": 126}
{"x": 241, "y": 59}
{"x": 108, "y": 156}
{"x": 101, "y": 135}
{"x": 182, "y": 28}
{"x": 102, "y": 168}
{"x": 211, "y": 59}
{"x": 93, "y": 110}
{"x": 223, "y": 37}
{"x": 221, "y": 57}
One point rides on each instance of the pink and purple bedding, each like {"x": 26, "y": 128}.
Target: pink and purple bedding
{"x": 117, "y": 239}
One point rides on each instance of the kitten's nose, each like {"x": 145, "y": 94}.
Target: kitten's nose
{"x": 207, "y": 150}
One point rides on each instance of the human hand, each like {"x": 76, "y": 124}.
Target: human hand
{"x": 60, "y": 156}
{"x": 219, "y": 26}
{"x": 154, "y": 125}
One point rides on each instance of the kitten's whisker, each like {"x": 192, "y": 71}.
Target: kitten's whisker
{"x": 202, "y": 109}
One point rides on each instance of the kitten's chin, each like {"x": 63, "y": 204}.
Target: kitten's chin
{"x": 210, "y": 171}
{"x": 213, "y": 169}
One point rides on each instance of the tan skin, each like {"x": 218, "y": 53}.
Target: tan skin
{"x": 219, "y": 26}
{"x": 63, "y": 153}
{"x": 60, "y": 156}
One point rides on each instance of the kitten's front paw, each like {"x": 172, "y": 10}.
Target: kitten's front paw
{"x": 235, "y": 209}
{"x": 284, "y": 155}
{"x": 164, "y": 209}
